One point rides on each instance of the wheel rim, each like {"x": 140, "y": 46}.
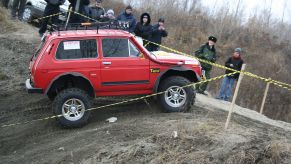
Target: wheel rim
{"x": 26, "y": 14}
{"x": 175, "y": 96}
{"x": 73, "y": 109}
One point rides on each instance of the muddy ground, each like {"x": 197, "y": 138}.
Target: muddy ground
{"x": 142, "y": 133}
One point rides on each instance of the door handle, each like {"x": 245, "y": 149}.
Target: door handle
{"x": 106, "y": 63}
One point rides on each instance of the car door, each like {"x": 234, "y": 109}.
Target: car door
{"x": 123, "y": 67}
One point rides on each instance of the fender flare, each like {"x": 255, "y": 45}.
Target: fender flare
{"x": 175, "y": 68}
{"x": 76, "y": 74}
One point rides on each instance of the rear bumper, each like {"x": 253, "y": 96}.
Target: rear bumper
{"x": 31, "y": 89}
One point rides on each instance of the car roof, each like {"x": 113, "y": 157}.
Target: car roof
{"x": 90, "y": 33}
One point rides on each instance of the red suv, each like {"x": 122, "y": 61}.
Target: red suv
{"x": 73, "y": 67}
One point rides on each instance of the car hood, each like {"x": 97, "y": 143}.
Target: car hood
{"x": 166, "y": 57}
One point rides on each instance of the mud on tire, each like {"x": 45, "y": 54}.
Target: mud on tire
{"x": 72, "y": 103}
{"x": 176, "y": 99}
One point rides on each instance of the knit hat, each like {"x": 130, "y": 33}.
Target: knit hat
{"x": 128, "y": 7}
{"x": 212, "y": 38}
{"x": 110, "y": 11}
{"x": 162, "y": 20}
{"x": 238, "y": 50}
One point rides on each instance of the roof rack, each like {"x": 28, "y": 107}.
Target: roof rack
{"x": 120, "y": 25}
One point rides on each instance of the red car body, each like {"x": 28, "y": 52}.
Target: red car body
{"x": 107, "y": 76}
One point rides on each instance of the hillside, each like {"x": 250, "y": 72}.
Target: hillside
{"x": 142, "y": 133}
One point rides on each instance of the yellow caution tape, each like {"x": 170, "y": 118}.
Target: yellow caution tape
{"x": 119, "y": 103}
{"x": 277, "y": 83}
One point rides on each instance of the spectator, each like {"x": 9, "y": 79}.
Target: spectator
{"x": 97, "y": 12}
{"x": 18, "y": 7}
{"x": 158, "y": 32}
{"x": 206, "y": 52}
{"x": 52, "y": 7}
{"x": 234, "y": 62}
{"x": 109, "y": 16}
{"x": 81, "y": 8}
{"x": 143, "y": 29}
{"x": 127, "y": 17}
{"x": 5, "y": 3}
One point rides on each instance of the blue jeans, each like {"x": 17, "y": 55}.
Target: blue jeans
{"x": 226, "y": 88}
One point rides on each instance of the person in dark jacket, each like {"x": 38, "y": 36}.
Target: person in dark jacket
{"x": 206, "y": 52}
{"x": 81, "y": 8}
{"x": 18, "y": 7}
{"x": 234, "y": 62}
{"x": 158, "y": 32}
{"x": 52, "y": 7}
{"x": 127, "y": 17}
{"x": 143, "y": 29}
{"x": 97, "y": 11}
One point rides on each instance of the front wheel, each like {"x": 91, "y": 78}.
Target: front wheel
{"x": 176, "y": 98}
{"x": 72, "y": 104}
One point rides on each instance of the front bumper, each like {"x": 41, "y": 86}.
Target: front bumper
{"x": 31, "y": 89}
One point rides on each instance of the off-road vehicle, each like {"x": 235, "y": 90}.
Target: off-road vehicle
{"x": 35, "y": 9}
{"x": 72, "y": 67}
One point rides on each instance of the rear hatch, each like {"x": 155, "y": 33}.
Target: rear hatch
{"x": 35, "y": 55}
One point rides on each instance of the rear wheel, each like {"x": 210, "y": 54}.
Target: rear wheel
{"x": 175, "y": 98}
{"x": 72, "y": 104}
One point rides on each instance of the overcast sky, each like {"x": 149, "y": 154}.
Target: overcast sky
{"x": 252, "y": 6}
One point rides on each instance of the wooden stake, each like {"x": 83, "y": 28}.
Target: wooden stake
{"x": 265, "y": 96}
{"x": 234, "y": 97}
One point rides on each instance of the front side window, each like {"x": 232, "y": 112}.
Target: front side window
{"x": 115, "y": 47}
{"x": 134, "y": 52}
{"x": 77, "y": 49}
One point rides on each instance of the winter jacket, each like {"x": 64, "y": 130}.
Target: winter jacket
{"x": 96, "y": 12}
{"x": 129, "y": 18}
{"x": 206, "y": 53}
{"x": 55, "y": 2}
{"x": 237, "y": 64}
{"x": 75, "y": 18}
{"x": 158, "y": 34}
{"x": 144, "y": 30}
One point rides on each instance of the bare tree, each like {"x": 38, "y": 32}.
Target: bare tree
{"x": 237, "y": 8}
{"x": 283, "y": 12}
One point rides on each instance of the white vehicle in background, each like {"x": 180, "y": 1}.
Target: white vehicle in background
{"x": 35, "y": 9}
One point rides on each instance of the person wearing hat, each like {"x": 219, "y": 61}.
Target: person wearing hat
{"x": 143, "y": 29}
{"x": 206, "y": 52}
{"x": 158, "y": 31}
{"x": 96, "y": 11}
{"x": 234, "y": 62}
{"x": 109, "y": 16}
{"x": 127, "y": 17}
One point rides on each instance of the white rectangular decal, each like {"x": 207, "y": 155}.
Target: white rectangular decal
{"x": 72, "y": 45}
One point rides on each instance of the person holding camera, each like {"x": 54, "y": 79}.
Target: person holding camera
{"x": 234, "y": 62}
{"x": 158, "y": 32}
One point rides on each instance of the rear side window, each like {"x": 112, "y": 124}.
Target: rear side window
{"x": 113, "y": 47}
{"x": 77, "y": 49}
